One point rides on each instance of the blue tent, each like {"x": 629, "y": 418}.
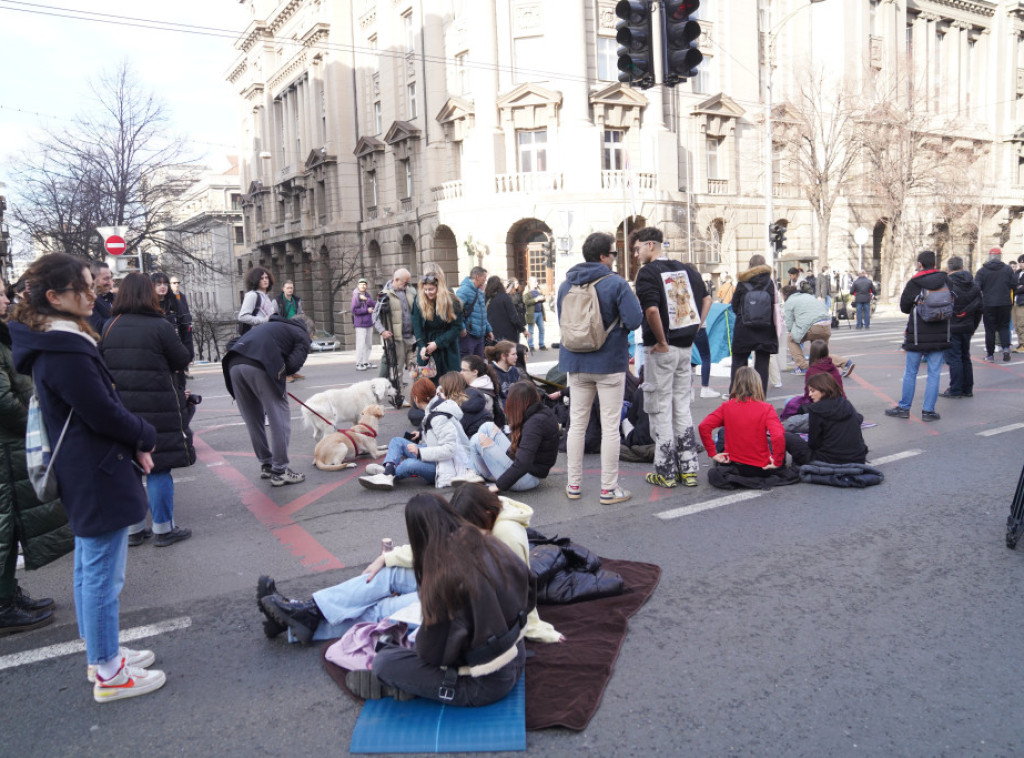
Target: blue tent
{"x": 719, "y": 326}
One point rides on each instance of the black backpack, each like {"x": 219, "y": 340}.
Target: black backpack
{"x": 757, "y": 309}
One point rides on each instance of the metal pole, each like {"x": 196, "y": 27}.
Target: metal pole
{"x": 769, "y": 203}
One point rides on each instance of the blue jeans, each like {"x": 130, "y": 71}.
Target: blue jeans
{"x": 931, "y": 387}
{"x": 99, "y": 576}
{"x": 493, "y": 461}
{"x": 863, "y": 315}
{"x": 538, "y": 321}
{"x": 342, "y": 605}
{"x": 704, "y": 351}
{"x": 407, "y": 465}
{"x": 160, "y": 488}
{"x": 961, "y": 371}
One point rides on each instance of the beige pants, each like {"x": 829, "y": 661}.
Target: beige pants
{"x": 1018, "y": 323}
{"x": 582, "y": 389}
{"x": 816, "y": 332}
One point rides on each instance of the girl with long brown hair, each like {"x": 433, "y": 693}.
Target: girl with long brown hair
{"x": 520, "y": 460}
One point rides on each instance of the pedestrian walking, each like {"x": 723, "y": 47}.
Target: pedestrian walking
{"x": 755, "y": 331}
{"x": 257, "y": 305}
{"x": 474, "y": 313}
{"x": 505, "y": 321}
{"x": 362, "y": 309}
{"x": 534, "y": 301}
{"x": 996, "y": 281}
{"x": 600, "y": 305}
{"x": 863, "y": 291}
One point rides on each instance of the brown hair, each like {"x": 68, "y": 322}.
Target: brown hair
{"x": 55, "y": 271}
{"x": 477, "y": 504}
{"x": 521, "y": 396}
{"x": 746, "y": 385}
{"x": 818, "y": 351}
{"x": 453, "y": 386}
{"x": 422, "y": 390}
{"x": 482, "y": 368}
{"x": 136, "y": 295}
{"x": 443, "y": 303}
{"x": 252, "y": 279}
{"x": 494, "y": 352}
{"x": 826, "y": 385}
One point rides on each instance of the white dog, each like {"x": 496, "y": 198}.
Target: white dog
{"x": 343, "y": 406}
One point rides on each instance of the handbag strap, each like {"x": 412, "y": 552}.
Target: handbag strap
{"x": 56, "y": 448}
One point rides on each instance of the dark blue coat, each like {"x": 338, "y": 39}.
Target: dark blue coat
{"x": 279, "y": 345}
{"x": 101, "y": 488}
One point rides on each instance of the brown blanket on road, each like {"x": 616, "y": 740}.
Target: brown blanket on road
{"x": 565, "y": 681}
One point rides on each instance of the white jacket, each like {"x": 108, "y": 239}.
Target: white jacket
{"x": 445, "y": 442}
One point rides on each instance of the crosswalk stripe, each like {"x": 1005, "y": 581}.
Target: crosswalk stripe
{"x": 1000, "y": 430}
{"x": 895, "y": 457}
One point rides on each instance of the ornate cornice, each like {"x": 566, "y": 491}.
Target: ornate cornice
{"x": 284, "y": 13}
{"x": 316, "y": 34}
{"x": 236, "y": 73}
{"x": 288, "y": 71}
{"x": 942, "y": 7}
{"x": 257, "y": 30}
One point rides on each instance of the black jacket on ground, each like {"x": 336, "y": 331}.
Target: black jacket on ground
{"x": 505, "y": 321}
{"x": 862, "y": 289}
{"x": 538, "y": 447}
{"x": 966, "y": 303}
{"x": 834, "y": 434}
{"x": 996, "y": 281}
{"x": 745, "y": 338}
{"x": 477, "y": 408}
{"x": 931, "y": 335}
{"x": 280, "y": 347}
{"x": 141, "y": 351}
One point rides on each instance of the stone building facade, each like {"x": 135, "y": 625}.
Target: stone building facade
{"x": 386, "y": 133}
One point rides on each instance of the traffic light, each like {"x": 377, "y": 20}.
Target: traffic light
{"x": 680, "y": 53}
{"x": 777, "y": 234}
{"x": 550, "y": 251}
{"x": 636, "y": 37}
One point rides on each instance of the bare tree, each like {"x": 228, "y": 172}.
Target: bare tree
{"x": 116, "y": 165}
{"x": 338, "y": 272}
{"x": 818, "y": 133}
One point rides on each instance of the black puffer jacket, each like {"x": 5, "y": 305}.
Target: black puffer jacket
{"x": 538, "y": 447}
{"x": 996, "y": 281}
{"x": 280, "y": 347}
{"x": 966, "y": 302}
{"x": 746, "y": 338}
{"x": 177, "y": 314}
{"x": 142, "y": 351}
{"x": 930, "y": 335}
{"x": 834, "y": 434}
{"x": 569, "y": 573}
{"x": 477, "y": 408}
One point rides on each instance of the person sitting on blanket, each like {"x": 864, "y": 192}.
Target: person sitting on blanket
{"x": 476, "y": 596}
{"x": 748, "y": 422}
{"x": 388, "y": 584}
{"x": 794, "y": 415}
{"x": 834, "y": 427}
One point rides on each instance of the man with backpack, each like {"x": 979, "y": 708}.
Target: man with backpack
{"x": 929, "y": 302}
{"x": 675, "y": 302}
{"x": 596, "y": 312}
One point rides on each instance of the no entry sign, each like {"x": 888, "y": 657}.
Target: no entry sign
{"x": 114, "y": 244}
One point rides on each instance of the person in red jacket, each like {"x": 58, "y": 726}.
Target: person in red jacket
{"x": 749, "y": 422}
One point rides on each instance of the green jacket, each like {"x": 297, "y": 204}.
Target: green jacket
{"x": 42, "y": 528}
{"x": 530, "y": 302}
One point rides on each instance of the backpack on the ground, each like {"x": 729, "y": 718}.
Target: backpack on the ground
{"x": 934, "y": 305}
{"x": 757, "y": 308}
{"x": 580, "y": 318}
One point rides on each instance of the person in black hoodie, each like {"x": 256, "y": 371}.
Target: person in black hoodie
{"x": 833, "y": 434}
{"x": 761, "y": 340}
{"x": 922, "y": 340}
{"x": 505, "y": 321}
{"x": 996, "y": 281}
{"x": 966, "y": 317}
{"x": 476, "y": 596}
{"x": 143, "y": 352}
{"x": 520, "y": 460}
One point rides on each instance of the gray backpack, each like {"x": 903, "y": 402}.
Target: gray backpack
{"x": 580, "y": 321}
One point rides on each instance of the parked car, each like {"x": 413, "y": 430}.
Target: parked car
{"x": 323, "y": 341}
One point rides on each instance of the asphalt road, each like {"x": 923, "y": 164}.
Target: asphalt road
{"x": 802, "y": 621}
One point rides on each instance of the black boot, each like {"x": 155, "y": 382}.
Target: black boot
{"x": 265, "y": 586}
{"x": 301, "y": 616}
{"x": 14, "y": 619}
{"x": 23, "y": 601}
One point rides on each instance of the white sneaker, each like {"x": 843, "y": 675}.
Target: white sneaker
{"x": 468, "y": 477}
{"x": 360, "y": 367}
{"x": 372, "y": 469}
{"x": 378, "y": 482}
{"x": 708, "y": 392}
{"x": 369, "y": 365}
{"x": 128, "y": 682}
{"x": 136, "y": 659}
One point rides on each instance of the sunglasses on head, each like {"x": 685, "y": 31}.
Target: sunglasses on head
{"x": 428, "y": 279}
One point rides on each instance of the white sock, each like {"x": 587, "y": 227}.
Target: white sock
{"x": 109, "y": 669}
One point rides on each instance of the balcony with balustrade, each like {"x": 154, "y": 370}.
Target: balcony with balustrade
{"x": 531, "y": 181}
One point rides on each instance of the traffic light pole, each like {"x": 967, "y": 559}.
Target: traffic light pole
{"x": 769, "y": 152}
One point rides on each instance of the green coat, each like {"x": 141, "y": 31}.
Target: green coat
{"x": 42, "y": 528}
{"x": 445, "y": 334}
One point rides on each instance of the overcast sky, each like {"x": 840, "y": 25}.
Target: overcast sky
{"x": 47, "y": 61}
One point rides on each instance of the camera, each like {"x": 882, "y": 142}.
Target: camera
{"x": 194, "y": 399}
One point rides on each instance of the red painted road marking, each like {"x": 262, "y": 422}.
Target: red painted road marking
{"x": 296, "y": 539}
{"x": 878, "y": 393}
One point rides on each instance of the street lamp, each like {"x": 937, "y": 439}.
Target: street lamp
{"x": 769, "y": 63}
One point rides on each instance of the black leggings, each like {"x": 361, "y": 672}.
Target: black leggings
{"x": 761, "y": 360}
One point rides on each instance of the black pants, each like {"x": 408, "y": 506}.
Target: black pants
{"x": 997, "y": 320}
{"x": 761, "y": 360}
{"x": 403, "y": 668}
{"x": 798, "y": 449}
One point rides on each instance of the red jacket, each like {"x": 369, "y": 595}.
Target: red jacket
{"x": 747, "y": 425}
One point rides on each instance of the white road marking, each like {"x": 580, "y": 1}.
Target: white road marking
{"x": 78, "y": 646}
{"x": 1000, "y": 430}
{"x": 708, "y": 505}
{"x": 895, "y": 457}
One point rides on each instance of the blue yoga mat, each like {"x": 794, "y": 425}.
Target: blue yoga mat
{"x": 425, "y": 726}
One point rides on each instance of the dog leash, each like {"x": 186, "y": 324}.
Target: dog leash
{"x": 369, "y": 431}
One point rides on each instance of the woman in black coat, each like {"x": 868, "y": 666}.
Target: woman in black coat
{"x": 834, "y": 434}
{"x": 143, "y": 352}
{"x": 761, "y": 340}
{"x": 520, "y": 460}
{"x": 178, "y": 315}
{"x": 97, "y": 468}
{"x": 505, "y": 321}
